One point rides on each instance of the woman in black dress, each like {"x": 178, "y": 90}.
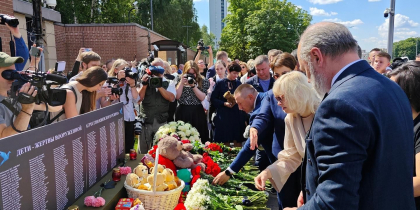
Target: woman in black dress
{"x": 190, "y": 95}
{"x": 229, "y": 120}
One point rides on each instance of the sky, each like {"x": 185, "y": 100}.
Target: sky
{"x": 364, "y": 18}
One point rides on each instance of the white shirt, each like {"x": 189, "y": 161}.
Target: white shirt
{"x": 128, "y": 108}
{"x": 342, "y": 70}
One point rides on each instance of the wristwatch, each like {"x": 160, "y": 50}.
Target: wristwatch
{"x": 227, "y": 172}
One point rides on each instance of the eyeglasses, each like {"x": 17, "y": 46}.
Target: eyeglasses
{"x": 279, "y": 98}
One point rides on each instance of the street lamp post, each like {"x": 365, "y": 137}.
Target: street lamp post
{"x": 391, "y": 27}
{"x": 151, "y": 13}
{"x": 135, "y": 7}
{"x": 186, "y": 51}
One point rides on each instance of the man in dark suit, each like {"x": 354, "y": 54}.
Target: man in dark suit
{"x": 262, "y": 82}
{"x": 249, "y": 101}
{"x": 359, "y": 151}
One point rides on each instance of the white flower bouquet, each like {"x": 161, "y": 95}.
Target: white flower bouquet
{"x": 179, "y": 130}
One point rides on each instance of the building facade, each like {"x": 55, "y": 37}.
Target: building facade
{"x": 218, "y": 11}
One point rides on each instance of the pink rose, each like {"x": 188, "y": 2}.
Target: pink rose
{"x": 102, "y": 200}
{"x": 89, "y": 200}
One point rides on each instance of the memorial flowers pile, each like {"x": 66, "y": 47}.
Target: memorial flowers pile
{"x": 179, "y": 130}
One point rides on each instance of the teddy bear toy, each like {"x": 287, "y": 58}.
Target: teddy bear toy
{"x": 170, "y": 179}
{"x": 141, "y": 171}
{"x": 229, "y": 97}
{"x": 132, "y": 180}
{"x": 160, "y": 182}
{"x": 169, "y": 149}
{"x": 196, "y": 159}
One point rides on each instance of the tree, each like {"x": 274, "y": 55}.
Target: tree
{"x": 407, "y": 48}
{"x": 208, "y": 39}
{"x": 253, "y": 29}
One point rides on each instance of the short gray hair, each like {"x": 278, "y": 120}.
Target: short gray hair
{"x": 261, "y": 59}
{"x": 333, "y": 39}
{"x": 157, "y": 62}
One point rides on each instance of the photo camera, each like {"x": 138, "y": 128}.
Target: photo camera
{"x": 201, "y": 44}
{"x": 114, "y": 81}
{"x": 190, "y": 78}
{"x": 11, "y": 21}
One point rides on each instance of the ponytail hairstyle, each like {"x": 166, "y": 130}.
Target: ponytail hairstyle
{"x": 90, "y": 78}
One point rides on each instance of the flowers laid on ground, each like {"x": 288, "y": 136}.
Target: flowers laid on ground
{"x": 95, "y": 200}
{"x": 211, "y": 167}
{"x": 179, "y": 130}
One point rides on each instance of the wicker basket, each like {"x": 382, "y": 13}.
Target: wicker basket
{"x": 152, "y": 200}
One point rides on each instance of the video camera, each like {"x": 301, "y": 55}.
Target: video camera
{"x": 190, "y": 78}
{"x": 11, "y": 21}
{"x": 201, "y": 44}
{"x": 117, "y": 90}
{"x": 42, "y": 83}
{"x": 153, "y": 79}
{"x": 145, "y": 64}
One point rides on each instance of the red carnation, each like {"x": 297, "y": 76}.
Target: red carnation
{"x": 196, "y": 170}
{"x": 185, "y": 141}
{"x": 194, "y": 179}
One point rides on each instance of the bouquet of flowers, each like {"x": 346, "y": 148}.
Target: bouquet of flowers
{"x": 179, "y": 130}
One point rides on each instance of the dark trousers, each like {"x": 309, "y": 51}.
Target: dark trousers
{"x": 290, "y": 192}
{"x": 129, "y": 136}
{"x": 171, "y": 111}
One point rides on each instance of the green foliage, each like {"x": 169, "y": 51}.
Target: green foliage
{"x": 168, "y": 15}
{"x": 407, "y": 48}
{"x": 253, "y": 27}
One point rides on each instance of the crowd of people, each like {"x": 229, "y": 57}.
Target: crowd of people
{"x": 329, "y": 130}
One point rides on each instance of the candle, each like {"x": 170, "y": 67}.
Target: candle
{"x": 116, "y": 175}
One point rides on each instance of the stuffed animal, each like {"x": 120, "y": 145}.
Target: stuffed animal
{"x": 184, "y": 160}
{"x": 160, "y": 182}
{"x": 169, "y": 149}
{"x": 132, "y": 180}
{"x": 160, "y": 169}
{"x": 196, "y": 158}
{"x": 185, "y": 175}
{"x": 170, "y": 179}
{"x": 141, "y": 171}
{"x": 229, "y": 97}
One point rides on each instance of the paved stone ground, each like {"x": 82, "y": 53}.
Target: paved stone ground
{"x": 272, "y": 202}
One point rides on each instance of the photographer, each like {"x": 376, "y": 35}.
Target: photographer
{"x": 24, "y": 108}
{"x": 190, "y": 91}
{"x": 201, "y": 65}
{"x": 129, "y": 97}
{"x": 20, "y": 46}
{"x": 156, "y": 94}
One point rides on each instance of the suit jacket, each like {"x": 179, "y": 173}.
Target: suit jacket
{"x": 255, "y": 82}
{"x": 211, "y": 72}
{"x": 246, "y": 153}
{"x": 270, "y": 117}
{"x": 359, "y": 152}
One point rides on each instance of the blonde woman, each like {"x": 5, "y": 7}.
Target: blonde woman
{"x": 299, "y": 100}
